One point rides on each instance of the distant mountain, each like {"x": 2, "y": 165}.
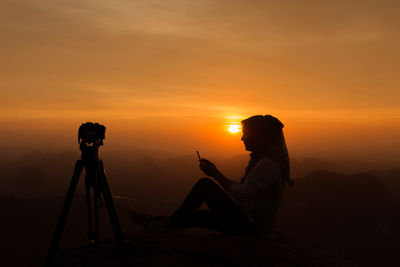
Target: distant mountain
{"x": 392, "y": 181}
{"x": 301, "y": 167}
{"x": 331, "y": 190}
{"x": 343, "y": 213}
{"x": 30, "y": 182}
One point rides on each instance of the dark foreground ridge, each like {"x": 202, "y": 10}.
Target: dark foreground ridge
{"x": 196, "y": 247}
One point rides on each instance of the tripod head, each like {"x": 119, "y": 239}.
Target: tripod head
{"x": 91, "y": 133}
{"x": 90, "y": 138}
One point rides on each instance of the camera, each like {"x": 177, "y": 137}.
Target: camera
{"x": 90, "y": 132}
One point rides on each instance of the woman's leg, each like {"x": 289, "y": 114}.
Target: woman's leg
{"x": 223, "y": 213}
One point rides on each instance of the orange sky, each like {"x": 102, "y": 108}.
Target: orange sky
{"x": 169, "y": 74}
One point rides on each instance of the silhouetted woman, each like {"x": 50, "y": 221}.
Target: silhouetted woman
{"x": 246, "y": 207}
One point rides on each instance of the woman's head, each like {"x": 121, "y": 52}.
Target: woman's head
{"x": 263, "y": 136}
{"x": 261, "y": 133}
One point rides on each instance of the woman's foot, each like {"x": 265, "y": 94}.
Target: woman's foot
{"x": 164, "y": 223}
{"x": 150, "y": 223}
{"x": 142, "y": 219}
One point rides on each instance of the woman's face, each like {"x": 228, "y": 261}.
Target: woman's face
{"x": 251, "y": 139}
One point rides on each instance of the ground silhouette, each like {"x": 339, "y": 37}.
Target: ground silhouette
{"x": 319, "y": 210}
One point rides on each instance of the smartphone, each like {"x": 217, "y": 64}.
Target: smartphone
{"x": 198, "y": 154}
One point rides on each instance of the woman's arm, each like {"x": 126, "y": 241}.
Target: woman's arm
{"x": 260, "y": 177}
{"x": 225, "y": 182}
{"x": 209, "y": 169}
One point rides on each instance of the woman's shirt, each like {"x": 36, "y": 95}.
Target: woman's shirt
{"x": 260, "y": 194}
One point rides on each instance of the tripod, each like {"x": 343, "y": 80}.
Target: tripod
{"x": 96, "y": 182}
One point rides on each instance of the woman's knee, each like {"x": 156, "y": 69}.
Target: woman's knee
{"x": 205, "y": 181}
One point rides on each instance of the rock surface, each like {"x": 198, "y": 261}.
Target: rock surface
{"x": 196, "y": 247}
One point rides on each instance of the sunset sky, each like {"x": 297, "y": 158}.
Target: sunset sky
{"x": 173, "y": 75}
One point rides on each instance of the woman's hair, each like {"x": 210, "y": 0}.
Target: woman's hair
{"x": 274, "y": 145}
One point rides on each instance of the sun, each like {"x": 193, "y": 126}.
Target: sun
{"x": 234, "y": 128}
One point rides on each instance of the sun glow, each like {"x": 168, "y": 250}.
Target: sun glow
{"x": 234, "y": 128}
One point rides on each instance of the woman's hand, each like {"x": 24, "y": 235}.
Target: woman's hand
{"x": 209, "y": 168}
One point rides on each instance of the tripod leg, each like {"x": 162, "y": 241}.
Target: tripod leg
{"x": 89, "y": 210}
{"x": 96, "y": 213}
{"x": 110, "y": 206}
{"x": 113, "y": 216}
{"x": 64, "y": 213}
{"x": 93, "y": 211}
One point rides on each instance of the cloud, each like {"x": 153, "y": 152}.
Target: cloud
{"x": 64, "y": 55}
